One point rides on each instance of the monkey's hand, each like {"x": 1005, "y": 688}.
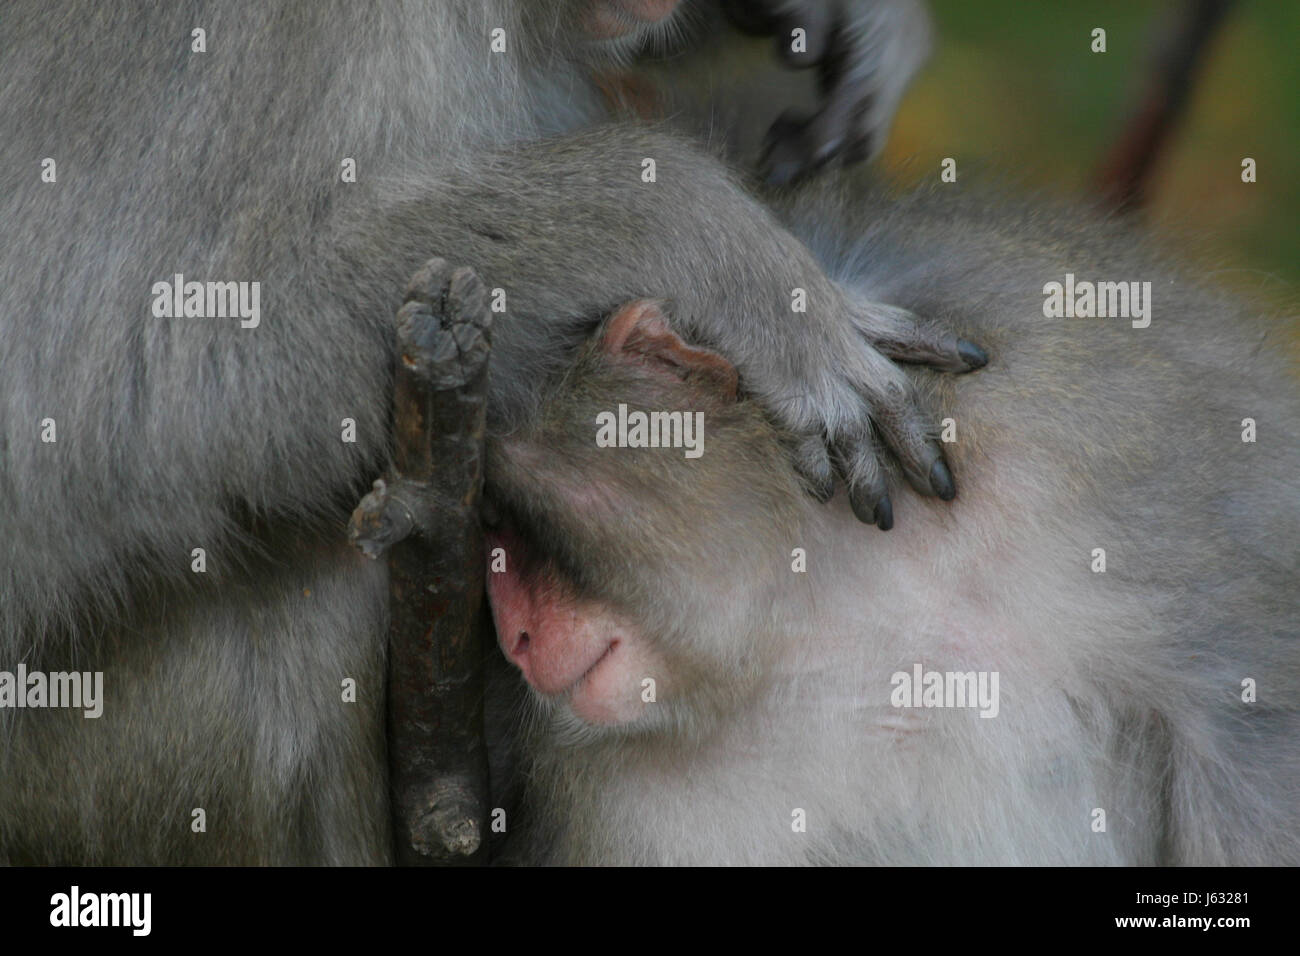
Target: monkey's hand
{"x": 865, "y": 52}
{"x": 863, "y": 404}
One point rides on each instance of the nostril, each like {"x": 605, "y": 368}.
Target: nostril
{"x": 520, "y": 646}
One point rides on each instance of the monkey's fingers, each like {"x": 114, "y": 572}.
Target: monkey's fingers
{"x": 902, "y": 427}
{"x": 812, "y": 462}
{"x": 903, "y": 337}
{"x": 796, "y": 147}
{"x": 857, "y": 461}
{"x": 865, "y": 53}
{"x": 937, "y": 348}
{"x": 842, "y": 128}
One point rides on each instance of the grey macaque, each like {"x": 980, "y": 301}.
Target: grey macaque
{"x": 1091, "y": 657}
{"x": 210, "y": 210}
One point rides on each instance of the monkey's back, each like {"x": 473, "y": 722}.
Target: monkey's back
{"x": 1088, "y": 435}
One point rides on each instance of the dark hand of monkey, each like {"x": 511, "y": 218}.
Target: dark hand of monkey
{"x": 849, "y": 44}
{"x": 896, "y": 420}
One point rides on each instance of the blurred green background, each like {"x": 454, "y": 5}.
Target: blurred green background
{"x": 1013, "y": 85}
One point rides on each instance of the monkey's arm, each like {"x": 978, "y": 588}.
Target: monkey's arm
{"x": 571, "y": 228}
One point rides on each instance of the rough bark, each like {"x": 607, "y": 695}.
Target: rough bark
{"x": 424, "y": 517}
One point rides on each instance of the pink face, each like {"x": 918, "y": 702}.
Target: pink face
{"x": 572, "y": 648}
{"x": 577, "y": 650}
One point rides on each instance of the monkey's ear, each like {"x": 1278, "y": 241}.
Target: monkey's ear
{"x": 639, "y": 332}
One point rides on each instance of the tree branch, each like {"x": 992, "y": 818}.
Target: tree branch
{"x": 424, "y": 516}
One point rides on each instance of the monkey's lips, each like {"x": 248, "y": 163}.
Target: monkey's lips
{"x": 565, "y": 645}
{"x": 557, "y": 640}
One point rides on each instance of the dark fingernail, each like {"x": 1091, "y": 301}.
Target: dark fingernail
{"x": 859, "y": 149}
{"x": 782, "y": 174}
{"x": 884, "y": 514}
{"x": 824, "y": 153}
{"x": 778, "y": 165}
{"x": 863, "y": 510}
{"x": 941, "y": 481}
{"x": 974, "y": 356}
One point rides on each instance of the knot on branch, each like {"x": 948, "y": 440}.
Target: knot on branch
{"x": 390, "y": 513}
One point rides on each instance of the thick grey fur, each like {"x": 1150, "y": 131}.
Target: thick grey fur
{"x": 223, "y": 690}
{"x": 1121, "y": 691}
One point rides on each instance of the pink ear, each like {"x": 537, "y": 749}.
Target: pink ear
{"x": 638, "y": 331}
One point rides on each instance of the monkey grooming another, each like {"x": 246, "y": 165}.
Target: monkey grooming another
{"x": 177, "y": 480}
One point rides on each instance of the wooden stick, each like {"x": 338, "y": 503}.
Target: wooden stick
{"x": 424, "y": 516}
